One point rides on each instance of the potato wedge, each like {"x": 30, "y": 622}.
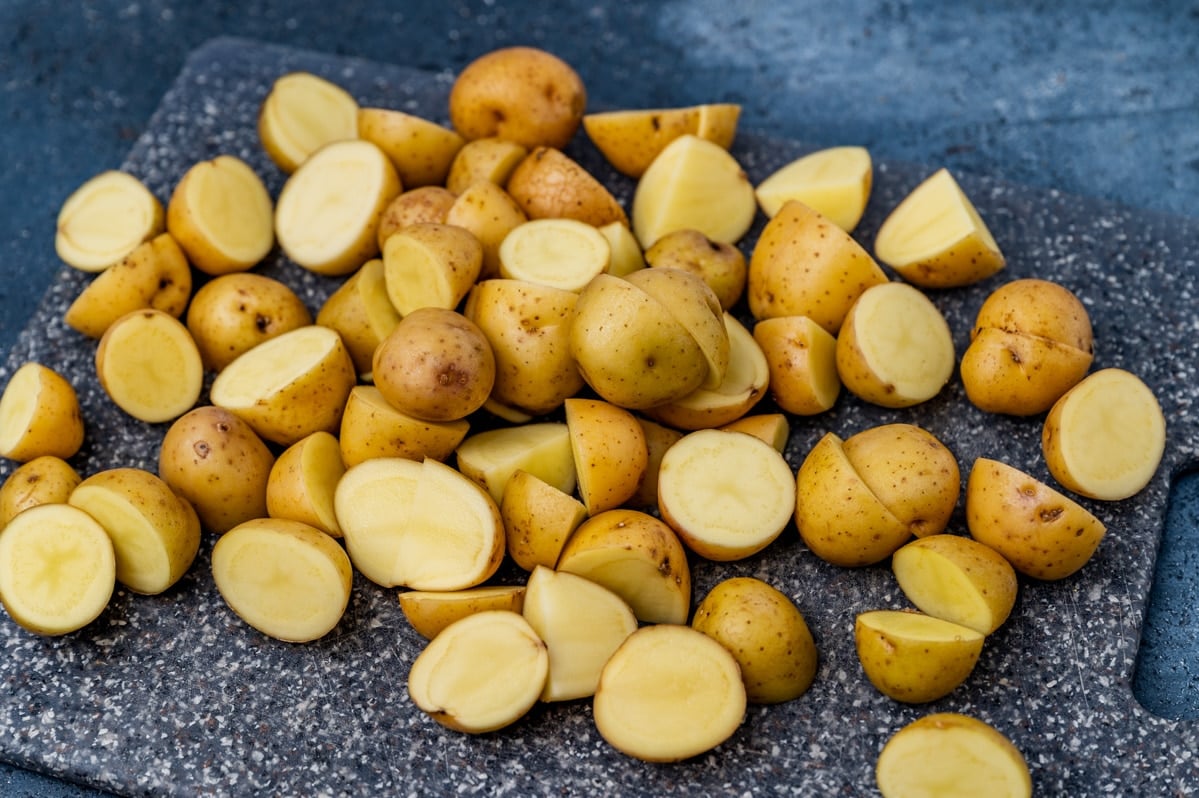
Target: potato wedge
{"x": 626, "y": 255}
{"x": 431, "y": 611}
{"x": 630, "y": 140}
{"x": 491, "y": 457}
{"x": 609, "y": 452}
{"x": 801, "y": 357}
{"x": 39, "y": 415}
{"x": 549, "y": 184}
{"x": 105, "y": 219}
{"x": 912, "y": 657}
{"x": 149, "y": 365}
{"x": 957, "y": 579}
{"x": 427, "y": 204}
{"x": 538, "y": 520}
{"x": 303, "y": 112}
{"x": 773, "y": 428}
{"x": 430, "y": 265}
{"x": 221, "y": 214}
{"x": 361, "y": 313}
{"x": 658, "y": 439}
{"x": 372, "y": 427}
{"x": 303, "y": 480}
{"x": 420, "y": 150}
{"x": 490, "y": 212}
{"x": 835, "y": 182}
{"x": 490, "y": 159}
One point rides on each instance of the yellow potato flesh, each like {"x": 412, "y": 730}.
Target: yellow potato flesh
{"x": 957, "y": 579}
{"x": 230, "y": 225}
{"x": 150, "y": 366}
{"x": 430, "y": 265}
{"x": 559, "y": 253}
{"x": 105, "y": 219}
{"x": 626, "y": 255}
{"x": 302, "y": 482}
{"x": 39, "y": 415}
{"x": 302, "y": 113}
{"x": 490, "y": 458}
{"x": 834, "y": 182}
{"x": 372, "y": 427}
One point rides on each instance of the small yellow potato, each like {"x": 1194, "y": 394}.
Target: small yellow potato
{"x": 528, "y": 326}
{"x": 522, "y": 94}
{"x": 289, "y": 386}
{"x": 560, "y": 253}
{"x": 835, "y": 182}
{"x": 1105, "y": 438}
{"x": 372, "y": 427}
{"x": 431, "y": 611}
{"x": 746, "y": 382}
{"x": 39, "y": 415}
{"x": 361, "y": 313}
{"x": 155, "y": 532}
{"x": 624, "y": 248}
{"x": 420, "y": 150}
{"x": 804, "y": 265}
{"x": 154, "y": 275}
{"x": 490, "y": 159}
{"x": 630, "y": 140}
{"x": 728, "y": 495}
{"x": 1041, "y": 532}
{"x": 609, "y": 452}
{"x": 538, "y": 520}
{"x": 57, "y": 569}
{"x": 105, "y": 219}
{"x": 149, "y": 365}
{"x": 1031, "y": 342}
{"x": 957, "y": 579}
{"x": 490, "y": 212}
{"x": 637, "y": 557}
{"x": 693, "y": 184}
{"x": 689, "y": 299}
{"x": 420, "y": 525}
{"x": 430, "y": 265}
{"x": 801, "y": 357}
{"x": 767, "y": 635}
{"x": 658, "y": 439}
{"x": 953, "y": 756}
{"x": 219, "y": 464}
{"x": 582, "y": 625}
{"x": 773, "y": 428}
{"x": 720, "y": 264}
{"x": 302, "y": 482}
{"x": 286, "y": 579}
{"x": 669, "y": 693}
{"x": 222, "y": 216}
{"x": 301, "y": 113}
{"x": 491, "y": 457}
{"x": 935, "y": 238}
{"x": 912, "y": 657}
{"x": 481, "y": 673}
{"x": 327, "y": 216}
{"x": 413, "y": 206}
{"x": 549, "y": 184}
{"x": 895, "y": 348}
{"x": 233, "y": 313}
{"x": 47, "y": 479}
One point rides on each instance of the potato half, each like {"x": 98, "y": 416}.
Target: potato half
{"x": 39, "y": 415}
{"x": 149, "y": 365}
{"x": 105, "y": 219}
{"x": 301, "y": 113}
{"x": 431, "y": 611}
{"x": 221, "y": 214}
{"x": 43, "y": 480}
{"x": 957, "y": 579}
{"x": 835, "y": 182}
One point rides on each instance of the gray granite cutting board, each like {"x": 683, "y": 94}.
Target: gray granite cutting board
{"x": 174, "y": 695}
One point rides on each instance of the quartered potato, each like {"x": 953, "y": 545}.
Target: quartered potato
{"x": 492, "y": 457}
{"x": 373, "y": 427}
{"x": 361, "y": 313}
{"x": 428, "y": 264}
{"x": 835, "y": 182}
{"x": 912, "y": 657}
{"x": 302, "y": 482}
{"x": 426, "y": 204}
{"x": 490, "y": 159}
{"x": 431, "y": 611}
{"x": 489, "y": 211}
{"x": 801, "y": 358}
{"x": 421, "y": 150}
{"x": 631, "y": 139}
{"x": 957, "y": 579}
{"x": 609, "y": 451}
{"x": 549, "y": 184}
{"x": 538, "y": 520}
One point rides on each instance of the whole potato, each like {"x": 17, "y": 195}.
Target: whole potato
{"x": 523, "y": 94}
{"x": 233, "y": 313}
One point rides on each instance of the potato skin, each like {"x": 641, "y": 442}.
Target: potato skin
{"x": 43, "y": 480}
{"x": 233, "y": 313}
{"x": 549, "y": 184}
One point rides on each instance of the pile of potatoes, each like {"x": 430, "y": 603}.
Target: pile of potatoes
{"x": 514, "y": 365}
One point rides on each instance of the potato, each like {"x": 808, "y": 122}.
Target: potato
{"x": 895, "y": 348}
{"x": 490, "y": 212}
{"x": 289, "y": 386}
{"x": 935, "y": 238}
{"x": 549, "y": 184}
{"x": 630, "y": 140}
{"x": 286, "y": 579}
{"x": 693, "y": 184}
{"x": 693, "y": 303}
{"x": 491, "y": 457}
{"x": 522, "y": 94}
{"x": 431, "y": 611}
{"x": 538, "y": 519}
{"x": 773, "y": 428}
{"x": 669, "y": 693}
{"x": 912, "y": 657}
{"x": 105, "y": 219}
{"x": 233, "y": 313}
{"x": 154, "y": 275}
{"x": 658, "y": 439}
{"x": 727, "y": 495}
{"x": 835, "y": 182}
{"x": 481, "y": 673}
{"x": 414, "y": 206}
{"x": 1041, "y": 532}
{"x": 804, "y": 265}
{"x": 957, "y": 579}
{"x": 609, "y": 449}
{"x": 47, "y": 479}
{"x": 218, "y": 463}
{"x": 626, "y": 256}
{"x": 420, "y": 150}
{"x": 155, "y": 532}
{"x": 303, "y": 112}
{"x": 581, "y": 623}
{"x": 952, "y": 755}
{"x": 302, "y": 482}
{"x": 39, "y": 415}
{"x": 430, "y": 265}
{"x": 801, "y": 358}
{"x": 637, "y": 557}
{"x": 57, "y": 569}
{"x": 222, "y": 216}
{"x": 361, "y": 313}
{"x": 489, "y": 159}
{"x": 765, "y": 632}
{"x": 327, "y": 216}
{"x": 149, "y": 365}
{"x": 560, "y": 253}
{"x": 371, "y": 427}
{"x": 1031, "y": 342}
{"x": 420, "y": 525}
{"x": 720, "y": 264}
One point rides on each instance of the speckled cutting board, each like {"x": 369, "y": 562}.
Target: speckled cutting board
{"x": 174, "y": 695}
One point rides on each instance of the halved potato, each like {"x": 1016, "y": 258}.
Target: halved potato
{"x": 912, "y": 657}
{"x": 221, "y": 214}
{"x": 39, "y": 415}
{"x": 421, "y": 150}
{"x": 105, "y": 219}
{"x": 302, "y": 113}
{"x": 801, "y": 357}
{"x": 430, "y": 265}
{"x": 43, "y": 480}
{"x": 491, "y": 457}
{"x": 431, "y": 611}
{"x": 149, "y": 365}
{"x": 658, "y": 439}
{"x": 372, "y": 427}
{"x": 721, "y": 265}
{"x": 560, "y": 253}
{"x": 303, "y": 480}
{"x": 232, "y": 313}
{"x": 835, "y": 182}
{"x": 957, "y": 579}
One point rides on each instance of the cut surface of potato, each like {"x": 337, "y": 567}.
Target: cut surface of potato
{"x": 609, "y": 452}
{"x": 538, "y": 520}
{"x": 560, "y": 253}
{"x": 39, "y": 415}
{"x": 834, "y": 182}
{"x": 430, "y": 265}
{"x": 481, "y": 673}
{"x": 773, "y": 428}
{"x": 302, "y": 113}
{"x": 286, "y": 579}
{"x": 626, "y": 255}
{"x": 957, "y": 579}
{"x": 302, "y": 482}
{"x": 728, "y": 495}
{"x": 221, "y": 214}
{"x": 105, "y": 219}
{"x": 490, "y": 458}
{"x": 431, "y": 611}
{"x": 57, "y": 569}
{"x": 150, "y": 366}
{"x": 1105, "y": 437}
{"x": 801, "y": 358}
{"x": 912, "y": 657}
{"x": 669, "y": 693}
